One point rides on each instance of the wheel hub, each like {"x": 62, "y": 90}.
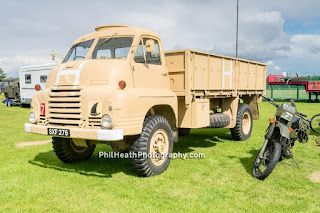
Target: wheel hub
{"x": 159, "y": 145}
{"x": 246, "y": 123}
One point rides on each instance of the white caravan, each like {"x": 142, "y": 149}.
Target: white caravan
{"x": 31, "y": 76}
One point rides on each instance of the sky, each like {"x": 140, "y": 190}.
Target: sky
{"x": 285, "y": 34}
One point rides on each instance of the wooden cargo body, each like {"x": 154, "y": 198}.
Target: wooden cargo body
{"x": 211, "y": 75}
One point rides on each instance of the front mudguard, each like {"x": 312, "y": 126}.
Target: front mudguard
{"x": 284, "y": 130}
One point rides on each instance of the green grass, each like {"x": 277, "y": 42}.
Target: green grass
{"x": 292, "y": 93}
{"x": 32, "y": 179}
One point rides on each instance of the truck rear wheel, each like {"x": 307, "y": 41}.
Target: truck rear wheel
{"x": 242, "y": 130}
{"x": 150, "y": 151}
{"x": 184, "y": 131}
{"x": 68, "y": 152}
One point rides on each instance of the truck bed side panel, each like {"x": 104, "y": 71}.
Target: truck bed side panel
{"x": 197, "y": 71}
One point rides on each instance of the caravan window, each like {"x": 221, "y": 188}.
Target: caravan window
{"x": 43, "y": 79}
{"x": 28, "y": 78}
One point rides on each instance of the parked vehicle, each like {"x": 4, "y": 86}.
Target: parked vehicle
{"x": 31, "y": 76}
{"x": 11, "y": 88}
{"x": 117, "y": 86}
{"x": 284, "y": 129}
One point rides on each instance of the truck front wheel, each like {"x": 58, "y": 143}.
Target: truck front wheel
{"x": 149, "y": 153}
{"x": 68, "y": 152}
{"x": 242, "y": 130}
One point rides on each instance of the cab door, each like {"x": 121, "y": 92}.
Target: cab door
{"x": 149, "y": 69}
{"x": 11, "y": 89}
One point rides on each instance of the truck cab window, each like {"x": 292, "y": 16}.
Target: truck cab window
{"x": 103, "y": 54}
{"x": 150, "y": 57}
{"x": 43, "y": 79}
{"x": 28, "y": 78}
{"x": 112, "y": 48}
{"x": 139, "y": 56}
{"x": 78, "y": 51}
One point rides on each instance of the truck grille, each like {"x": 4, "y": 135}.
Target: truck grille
{"x": 95, "y": 122}
{"x": 65, "y": 107}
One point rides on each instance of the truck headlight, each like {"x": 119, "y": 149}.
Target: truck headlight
{"x": 32, "y": 118}
{"x": 106, "y": 121}
{"x": 287, "y": 116}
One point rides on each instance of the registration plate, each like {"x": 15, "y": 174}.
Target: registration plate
{"x": 59, "y": 132}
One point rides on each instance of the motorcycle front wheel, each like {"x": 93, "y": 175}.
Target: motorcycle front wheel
{"x": 268, "y": 162}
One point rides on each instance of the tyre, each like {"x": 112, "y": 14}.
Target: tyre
{"x": 183, "y": 131}
{"x": 219, "y": 120}
{"x": 315, "y": 123}
{"x": 271, "y": 155}
{"x": 156, "y": 139}
{"x": 68, "y": 152}
{"x": 242, "y": 130}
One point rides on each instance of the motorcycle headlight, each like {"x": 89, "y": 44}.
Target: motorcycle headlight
{"x": 106, "y": 121}
{"x": 287, "y": 116}
{"x": 32, "y": 118}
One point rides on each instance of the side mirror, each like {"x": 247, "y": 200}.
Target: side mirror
{"x": 150, "y": 45}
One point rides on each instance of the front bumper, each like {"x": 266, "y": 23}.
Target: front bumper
{"x": 88, "y": 134}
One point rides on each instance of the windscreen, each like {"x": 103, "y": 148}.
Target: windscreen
{"x": 116, "y": 48}
{"x": 78, "y": 51}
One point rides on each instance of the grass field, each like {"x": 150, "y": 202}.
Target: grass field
{"x": 278, "y": 94}
{"x": 32, "y": 179}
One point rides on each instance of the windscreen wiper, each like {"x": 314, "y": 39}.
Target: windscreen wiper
{"x": 107, "y": 39}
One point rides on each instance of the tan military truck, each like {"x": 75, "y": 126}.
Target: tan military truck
{"x": 117, "y": 86}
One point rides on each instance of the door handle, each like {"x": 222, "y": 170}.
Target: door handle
{"x": 164, "y": 73}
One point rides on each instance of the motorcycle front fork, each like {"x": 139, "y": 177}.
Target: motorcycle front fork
{"x": 267, "y": 138}
{"x": 262, "y": 150}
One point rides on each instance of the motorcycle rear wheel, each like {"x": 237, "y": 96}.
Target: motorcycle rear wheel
{"x": 269, "y": 161}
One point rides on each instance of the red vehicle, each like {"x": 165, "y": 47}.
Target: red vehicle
{"x": 311, "y": 87}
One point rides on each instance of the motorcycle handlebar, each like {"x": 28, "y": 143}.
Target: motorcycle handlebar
{"x": 270, "y": 100}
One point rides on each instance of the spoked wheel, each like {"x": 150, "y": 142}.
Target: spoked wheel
{"x": 315, "y": 123}
{"x": 263, "y": 167}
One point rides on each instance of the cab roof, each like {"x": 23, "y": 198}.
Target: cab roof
{"x": 120, "y": 30}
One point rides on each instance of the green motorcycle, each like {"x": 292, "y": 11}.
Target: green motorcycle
{"x": 284, "y": 129}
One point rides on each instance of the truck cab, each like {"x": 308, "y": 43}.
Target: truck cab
{"x": 108, "y": 83}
